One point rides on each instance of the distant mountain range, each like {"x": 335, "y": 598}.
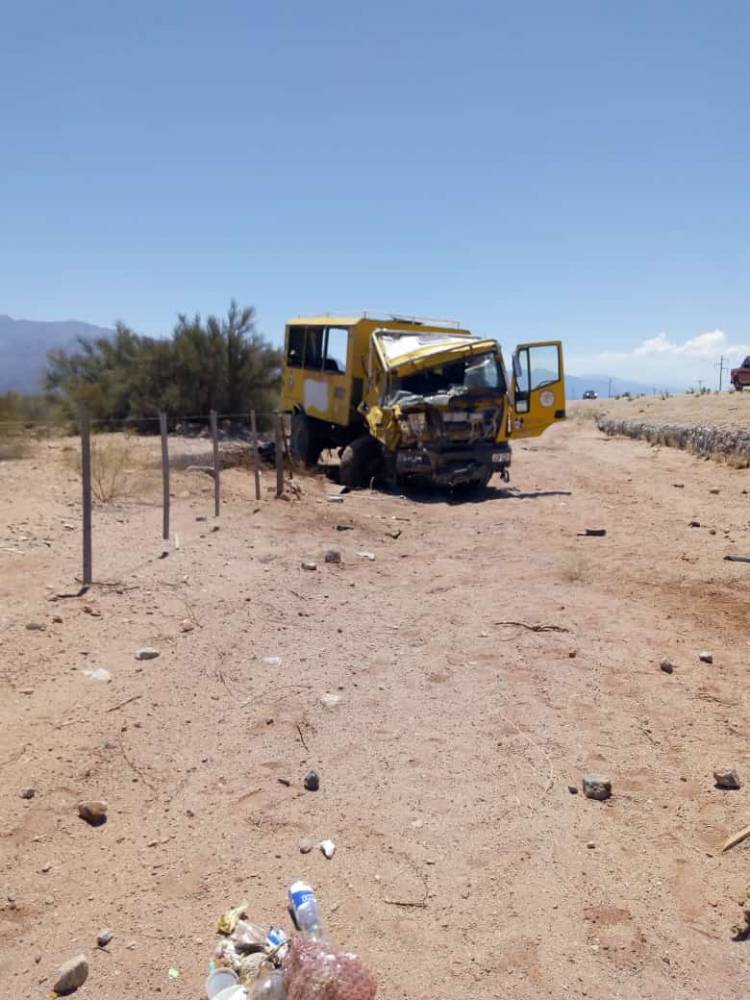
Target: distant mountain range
{"x": 24, "y": 344}
{"x": 603, "y": 385}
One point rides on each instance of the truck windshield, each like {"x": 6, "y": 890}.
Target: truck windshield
{"x": 479, "y": 373}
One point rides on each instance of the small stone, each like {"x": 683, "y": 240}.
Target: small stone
{"x": 93, "y": 811}
{"x": 367, "y": 555}
{"x": 333, "y": 556}
{"x": 201, "y": 517}
{"x": 27, "y": 691}
{"x": 328, "y": 848}
{"x": 573, "y": 789}
{"x": 590, "y": 844}
{"x": 104, "y": 937}
{"x": 57, "y": 619}
{"x": 100, "y": 675}
{"x": 573, "y": 653}
{"x": 147, "y": 653}
{"x": 308, "y": 564}
{"x": 328, "y": 700}
{"x": 186, "y": 625}
{"x": 36, "y": 627}
{"x": 596, "y": 786}
{"x": 667, "y": 666}
{"x": 312, "y": 781}
{"x": 715, "y": 491}
{"x": 72, "y": 975}
{"x": 727, "y": 779}
{"x": 706, "y": 657}
{"x": 306, "y": 845}
{"x": 695, "y": 524}
{"x": 46, "y": 868}
{"x": 27, "y": 793}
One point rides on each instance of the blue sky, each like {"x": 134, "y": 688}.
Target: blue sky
{"x": 543, "y": 169}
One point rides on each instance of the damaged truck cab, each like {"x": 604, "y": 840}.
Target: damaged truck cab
{"x": 405, "y": 398}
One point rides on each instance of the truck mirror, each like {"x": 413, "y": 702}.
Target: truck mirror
{"x": 517, "y": 366}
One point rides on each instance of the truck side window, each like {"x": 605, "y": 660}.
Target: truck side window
{"x": 314, "y": 347}
{"x": 337, "y": 348}
{"x": 545, "y": 366}
{"x": 295, "y": 346}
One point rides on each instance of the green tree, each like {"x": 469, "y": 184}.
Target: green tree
{"x": 220, "y": 363}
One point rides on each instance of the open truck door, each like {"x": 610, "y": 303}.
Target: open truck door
{"x": 537, "y": 388}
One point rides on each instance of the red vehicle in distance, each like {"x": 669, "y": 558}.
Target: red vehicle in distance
{"x": 741, "y": 376}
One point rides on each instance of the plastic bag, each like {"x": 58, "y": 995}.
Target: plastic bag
{"x": 315, "y": 971}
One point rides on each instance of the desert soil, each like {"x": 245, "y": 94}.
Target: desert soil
{"x": 465, "y": 867}
{"x": 728, "y": 409}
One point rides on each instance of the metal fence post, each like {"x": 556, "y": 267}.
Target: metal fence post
{"x": 279, "y": 456}
{"x": 256, "y": 456}
{"x": 84, "y": 420}
{"x": 215, "y": 436}
{"x": 164, "y": 475}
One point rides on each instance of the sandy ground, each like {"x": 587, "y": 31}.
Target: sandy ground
{"x": 728, "y": 409}
{"x": 444, "y": 767}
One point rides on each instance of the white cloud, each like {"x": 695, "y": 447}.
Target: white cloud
{"x": 706, "y": 346}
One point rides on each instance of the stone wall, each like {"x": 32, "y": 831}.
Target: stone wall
{"x": 709, "y": 441}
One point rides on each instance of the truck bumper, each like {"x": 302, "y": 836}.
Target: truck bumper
{"x": 452, "y": 466}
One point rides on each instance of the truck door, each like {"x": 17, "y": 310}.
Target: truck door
{"x": 537, "y": 388}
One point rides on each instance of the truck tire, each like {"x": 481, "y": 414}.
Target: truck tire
{"x": 304, "y": 444}
{"x": 738, "y": 386}
{"x": 360, "y": 462}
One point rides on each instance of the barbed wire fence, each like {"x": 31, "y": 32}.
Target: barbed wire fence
{"x": 279, "y": 453}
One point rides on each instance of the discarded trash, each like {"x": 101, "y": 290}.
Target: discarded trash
{"x": 315, "y": 971}
{"x": 367, "y": 555}
{"x": 312, "y": 781}
{"x": 173, "y": 973}
{"x": 307, "y": 968}
{"x": 72, "y": 975}
{"x": 94, "y": 812}
{"x": 335, "y": 499}
{"x": 271, "y": 661}
{"x": 220, "y": 979}
{"x": 729, "y": 780}
{"x": 306, "y": 910}
{"x": 592, "y": 533}
{"x": 147, "y": 653}
{"x": 741, "y": 559}
{"x": 328, "y": 848}
{"x": 596, "y": 786}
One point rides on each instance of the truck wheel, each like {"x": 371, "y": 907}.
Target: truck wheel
{"x": 738, "y": 386}
{"x": 360, "y": 462}
{"x": 304, "y": 443}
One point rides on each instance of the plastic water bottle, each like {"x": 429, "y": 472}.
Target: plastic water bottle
{"x": 269, "y": 986}
{"x": 306, "y": 910}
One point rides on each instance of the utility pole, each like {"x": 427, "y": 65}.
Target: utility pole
{"x": 609, "y": 390}
{"x": 700, "y": 385}
{"x": 720, "y": 364}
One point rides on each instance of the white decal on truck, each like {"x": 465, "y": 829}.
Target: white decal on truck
{"x": 316, "y": 395}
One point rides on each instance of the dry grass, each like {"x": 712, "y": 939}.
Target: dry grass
{"x": 114, "y": 464}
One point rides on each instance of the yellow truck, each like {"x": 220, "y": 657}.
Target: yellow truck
{"x": 404, "y": 398}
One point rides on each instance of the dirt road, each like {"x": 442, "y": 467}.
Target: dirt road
{"x": 464, "y": 865}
